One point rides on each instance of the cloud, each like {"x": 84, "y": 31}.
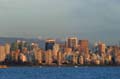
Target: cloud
{"x": 59, "y": 18}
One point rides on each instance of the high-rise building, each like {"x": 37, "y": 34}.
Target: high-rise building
{"x": 25, "y": 50}
{"x": 83, "y": 46}
{"x": 81, "y": 60}
{"x": 59, "y": 58}
{"x": 56, "y": 49}
{"x": 17, "y": 52}
{"x": 48, "y": 57}
{"x": 23, "y": 58}
{"x": 72, "y": 42}
{"x": 19, "y": 45}
{"x": 68, "y": 51}
{"x": 49, "y": 44}
{"x": 38, "y": 56}
{"x": 83, "y": 43}
{"x": 7, "y": 48}
{"x": 75, "y": 58}
{"x": 2, "y": 53}
{"x": 15, "y": 55}
{"x": 101, "y": 48}
{"x": 84, "y": 50}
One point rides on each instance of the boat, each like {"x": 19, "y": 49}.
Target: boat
{"x": 76, "y": 66}
{"x": 40, "y": 66}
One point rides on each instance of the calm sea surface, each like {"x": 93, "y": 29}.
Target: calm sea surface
{"x": 60, "y": 73}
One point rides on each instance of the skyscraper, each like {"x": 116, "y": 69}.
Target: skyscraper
{"x": 56, "y": 49}
{"x": 101, "y": 47}
{"x": 84, "y": 50}
{"x": 59, "y": 58}
{"x": 49, "y": 44}
{"x": 83, "y": 45}
{"x": 38, "y": 56}
{"x": 72, "y": 42}
{"x": 2, "y": 53}
{"x": 48, "y": 57}
{"x": 7, "y": 48}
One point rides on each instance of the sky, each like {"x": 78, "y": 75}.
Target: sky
{"x": 87, "y": 19}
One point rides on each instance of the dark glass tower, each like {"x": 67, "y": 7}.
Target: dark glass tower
{"x": 49, "y": 44}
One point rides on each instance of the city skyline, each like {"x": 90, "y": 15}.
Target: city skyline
{"x": 59, "y": 39}
{"x": 73, "y": 52}
{"x": 94, "y": 20}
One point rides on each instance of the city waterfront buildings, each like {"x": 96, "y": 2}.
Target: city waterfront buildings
{"x": 73, "y": 52}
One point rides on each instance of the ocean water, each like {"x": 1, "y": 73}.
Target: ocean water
{"x": 60, "y": 73}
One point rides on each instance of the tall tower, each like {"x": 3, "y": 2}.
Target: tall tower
{"x": 2, "y": 53}
{"x": 7, "y": 48}
{"x": 59, "y": 58}
{"x": 72, "y": 42}
{"x": 101, "y": 48}
{"x": 56, "y": 49}
{"x": 49, "y": 44}
{"x": 48, "y": 57}
{"x": 83, "y": 45}
{"x": 38, "y": 56}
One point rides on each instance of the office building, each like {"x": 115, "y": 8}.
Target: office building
{"x": 38, "y": 56}
{"x": 48, "y": 57}
{"x": 101, "y": 48}
{"x": 49, "y": 44}
{"x": 2, "y": 53}
{"x": 72, "y": 42}
{"x": 59, "y": 60}
{"x": 83, "y": 46}
{"x": 56, "y": 49}
{"x": 81, "y": 60}
{"x": 7, "y": 48}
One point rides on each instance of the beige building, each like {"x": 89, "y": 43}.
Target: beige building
{"x": 23, "y": 58}
{"x": 75, "y": 58}
{"x": 38, "y": 56}
{"x": 59, "y": 58}
{"x": 72, "y": 42}
{"x": 2, "y": 53}
{"x": 81, "y": 60}
{"x": 7, "y": 48}
{"x": 102, "y": 48}
{"x": 68, "y": 51}
{"x": 48, "y": 57}
{"x": 56, "y": 48}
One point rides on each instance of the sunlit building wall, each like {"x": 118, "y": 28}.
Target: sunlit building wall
{"x": 2, "y": 53}
{"x": 7, "y": 48}
{"x": 72, "y": 42}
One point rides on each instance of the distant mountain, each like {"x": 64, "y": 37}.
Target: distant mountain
{"x": 41, "y": 42}
{"x": 10, "y": 40}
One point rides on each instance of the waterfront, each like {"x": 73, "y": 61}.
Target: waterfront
{"x": 60, "y": 73}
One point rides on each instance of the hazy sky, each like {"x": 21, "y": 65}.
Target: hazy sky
{"x": 90, "y": 19}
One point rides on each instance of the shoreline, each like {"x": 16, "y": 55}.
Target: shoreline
{"x": 9, "y": 66}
